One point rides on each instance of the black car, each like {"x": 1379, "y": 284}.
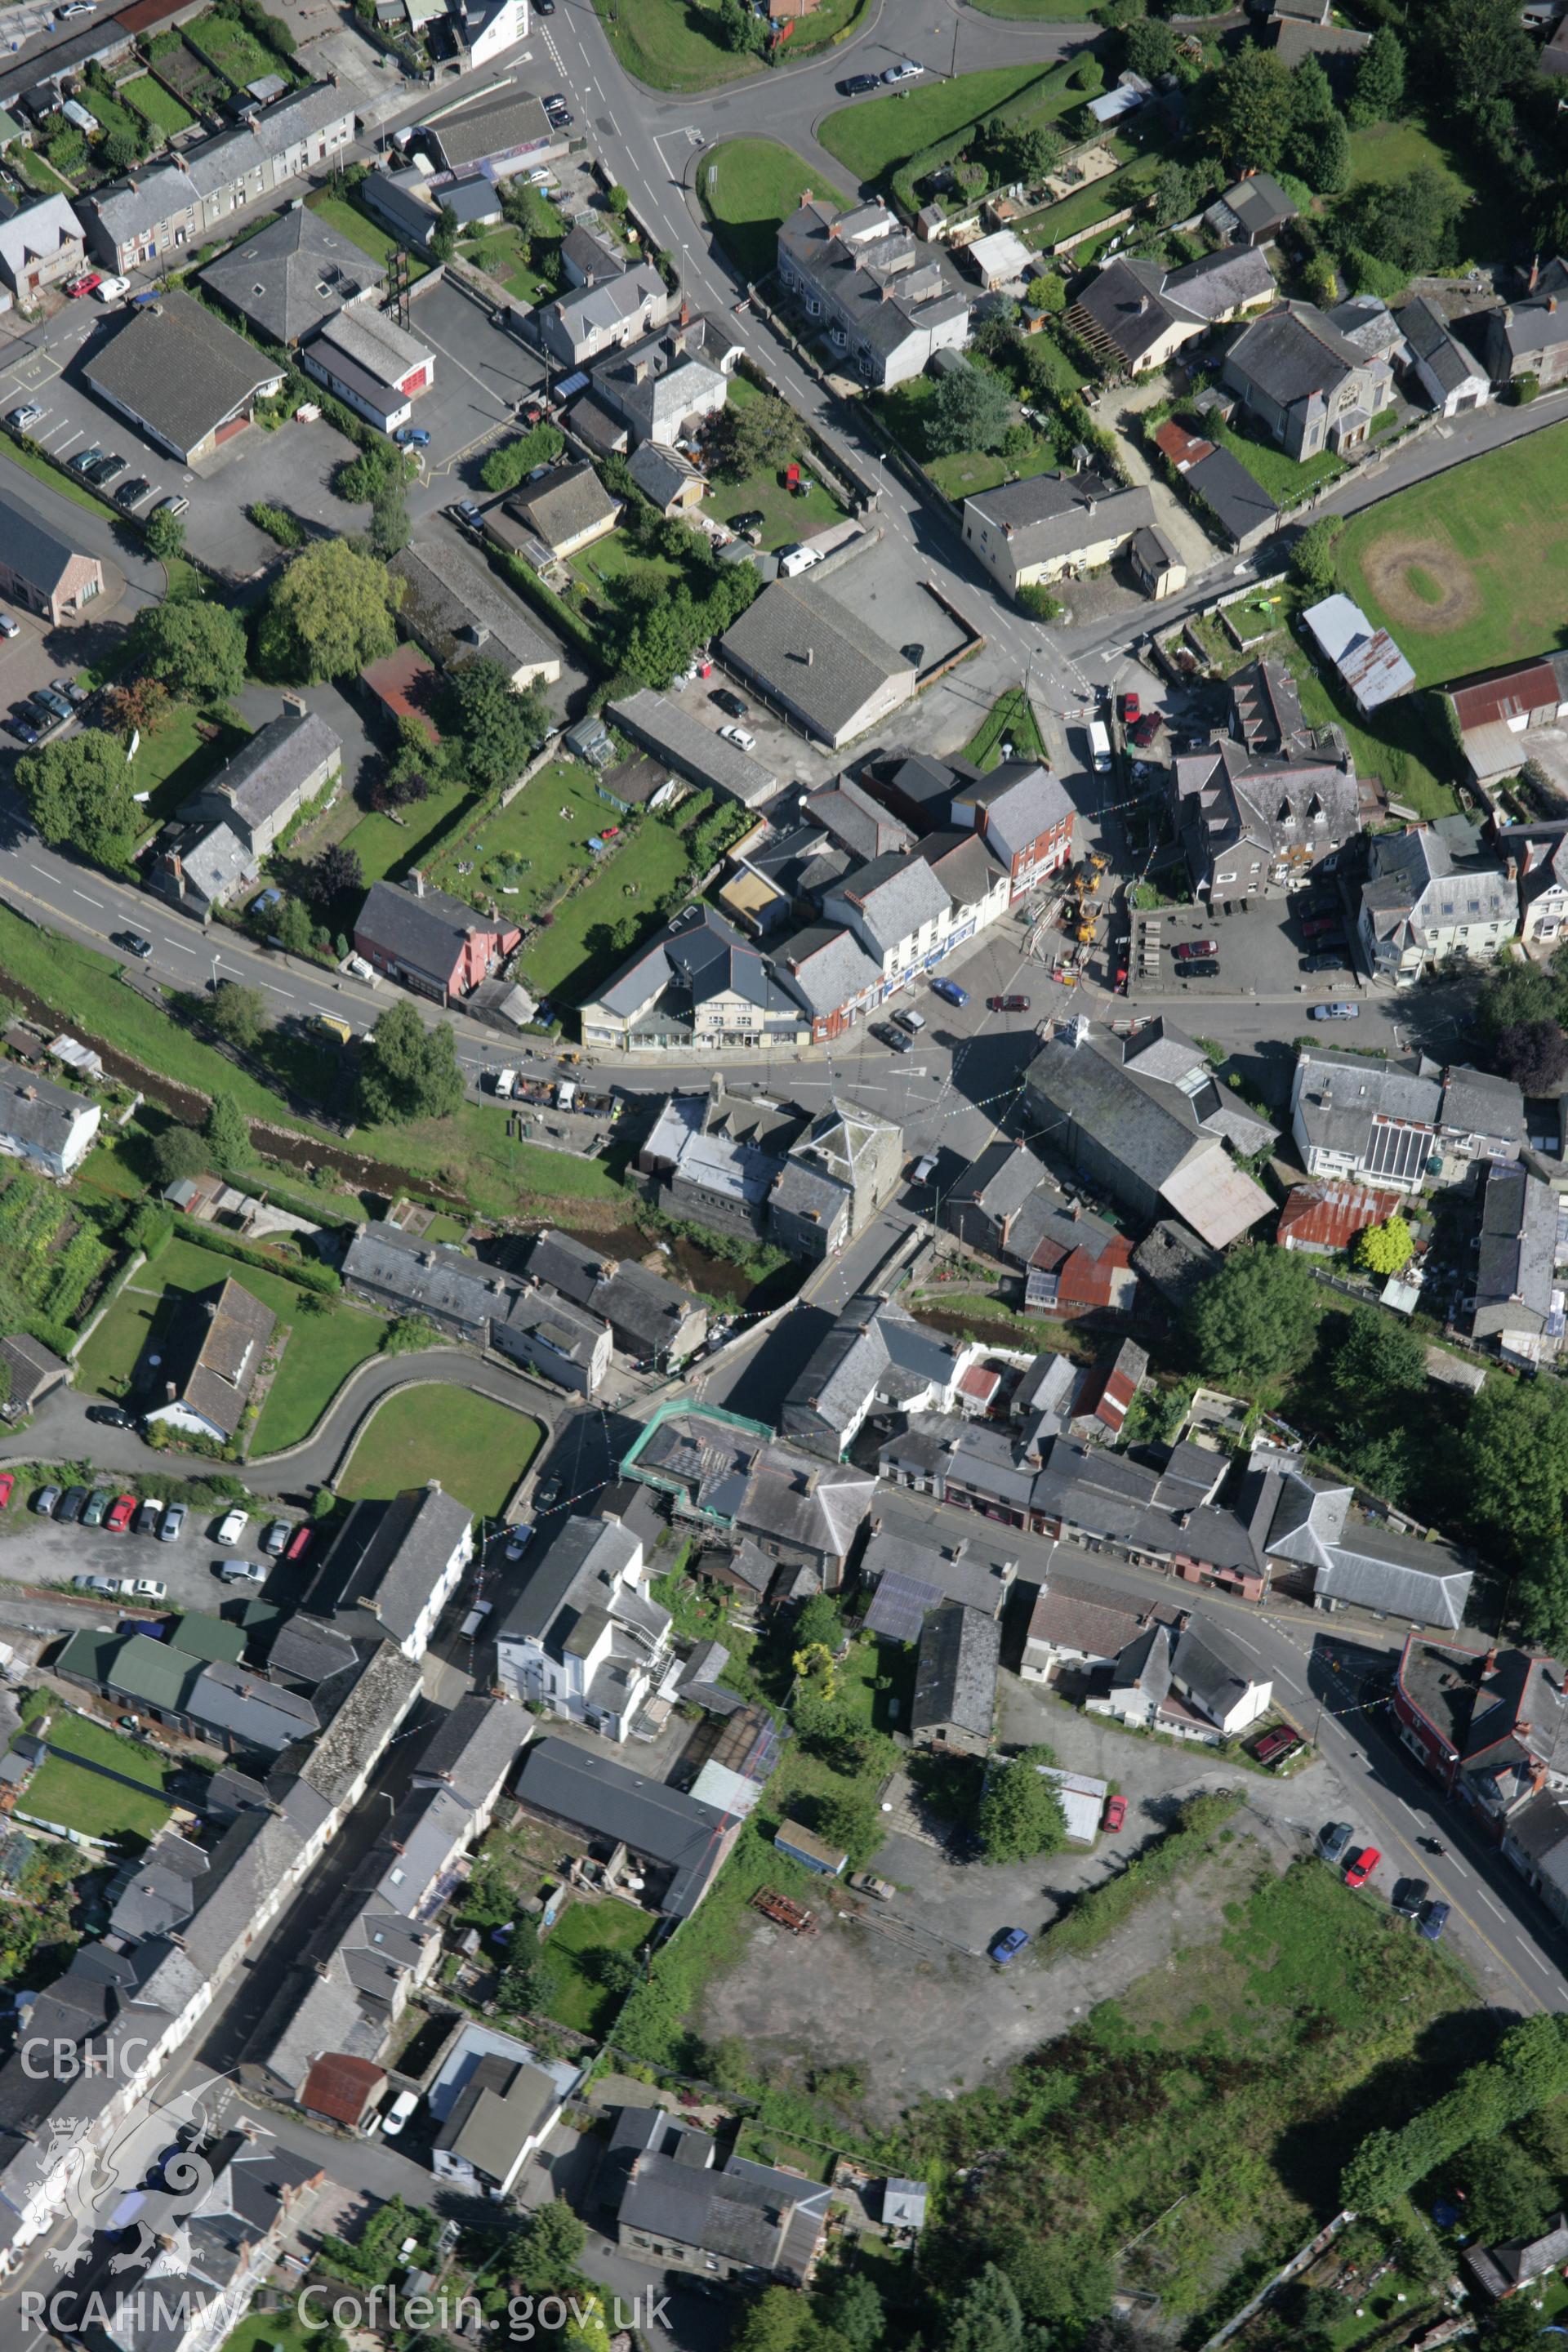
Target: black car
{"x": 895, "y": 1038}
{"x": 146, "y": 1520}
{"x": 134, "y": 944}
{"x": 1409, "y": 1895}
{"x": 111, "y": 1416}
{"x": 753, "y": 520}
{"x": 108, "y": 470}
{"x": 855, "y": 85}
{"x": 1201, "y": 968}
{"x": 131, "y": 493}
{"x": 730, "y": 703}
{"x": 1324, "y": 963}
{"x": 72, "y": 1503}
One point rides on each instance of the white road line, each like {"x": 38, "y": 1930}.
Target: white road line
{"x": 1410, "y": 1810}
{"x": 1492, "y": 1907}
{"x": 91, "y": 902}
{"x": 1533, "y": 1954}
{"x": 273, "y": 989}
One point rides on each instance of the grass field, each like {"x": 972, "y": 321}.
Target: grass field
{"x": 527, "y": 851}
{"x": 608, "y": 562}
{"x": 748, "y": 187}
{"x": 1396, "y": 744}
{"x": 386, "y": 847}
{"x": 961, "y": 473}
{"x": 176, "y": 758}
{"x": 785, "y": 516}
{"x": 875, "y": 135}
{"x": 360, "y": 229}
{"x": 82, "y": 1799}
{"x": 1095, "y": 203}
{"x": 36, "y": 169}
{"x": 477, "y": 1448}
{"x": 41, "y": 469}
{"x": 114, "y": 115}
{"x": 672, "y": 44}
{"x": 1491, "y": 537}
{"x": 1392, "y": 150}
{"x": 561, "y": 961}
{"x": 155, "y": 105}
{"x": 235, "y": 51}
{"x": 1011, "y": 719}
{"x": 586, "y": 1929}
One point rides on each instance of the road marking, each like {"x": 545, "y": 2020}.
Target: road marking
{"x": 273, "y": 989}
{"x": 91, "y": 902}
{"x": 1533, "y": 1954}
{"x": 1492, "y": 1906}
{"x": 1409, "y": 1809}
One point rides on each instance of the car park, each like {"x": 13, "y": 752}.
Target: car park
{"x": 172, "y": 505}
{"x": 20, "y": 418}
{"x": 134, "y": 944}
{"x": 131, "y": 493}
{"x": 728, "y": 702}
{"x": 951, "y": 990}
{"x": 1335, "y": 1012}
{"x": 70, "y": 1505}
{"x": 906, "y": 71}
{"x": 857, "y": 84}
{"x": 1190, "y": 947}
{"x": 1007, "y": 1004}
{"x": 1115, "y": 1815}
{"x": 275, "y": 1540}
{"x": 85, "y": 457}
{"x": 233, "y": 1526}
{"x": 1008, "y": 1946}
{"x": 108, "y": 470}
{"x": 1434, "y": 1918}
{"x": 1334, "y": 1841}
{"x": 121, "y": 1512}
{"x": 96, "y": 1504}
{"x": 1361, "y": 1866}
{"x": 173, "y": 1522}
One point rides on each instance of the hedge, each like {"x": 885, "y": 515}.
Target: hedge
{"x": 1100, "y": 1911}
{"x": 323, "y": 1280}
{"x": 533, "y": 591}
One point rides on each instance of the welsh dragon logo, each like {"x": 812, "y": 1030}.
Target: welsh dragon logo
{"x": 99, "y": 2187}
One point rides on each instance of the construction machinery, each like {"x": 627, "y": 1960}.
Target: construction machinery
{"x": 783, "y": 1912}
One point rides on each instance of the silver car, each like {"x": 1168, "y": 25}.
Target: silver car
{"x": 173, "y": 1521}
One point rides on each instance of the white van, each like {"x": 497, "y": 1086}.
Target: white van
{"x": 1099, "y": 745}
{"x": 798, "y": 559}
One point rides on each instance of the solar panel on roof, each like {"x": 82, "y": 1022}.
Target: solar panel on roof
{"x": 898, "y": 1606}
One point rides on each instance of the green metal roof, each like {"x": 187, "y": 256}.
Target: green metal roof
{"x": 201, "y": 1636}
{"x": 155, "y": 1673}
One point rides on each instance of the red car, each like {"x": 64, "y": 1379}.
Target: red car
{"x": 1359, "y": 1869}
{"x": 1115, "y": 1815}
{"x": 1131, "y": 709}
{"x": 86, "y": 284}
{"x": 1315, "y": 926}
{"x": 7, "y": 1487}
{"x": 1007, "y": 1004}
{"x": 1146, "y": 728}
{"x": 1190, "y": 947}
{"x": 299, "y": 1543}
{"x": 120, "y": 1513}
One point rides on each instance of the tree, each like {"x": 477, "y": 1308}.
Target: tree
{"x": 1256, "y": 1317}
{"x": 1486, "y": 53}
{"x": 1250, "y": 112}
{"x": 389, "y": 519}
{"x": 1409, "y": 223}
{"x": 617, "y": 199}
{"x": 1321, "y": 152}
{"x": 773, "y": 2322}
{"x": 335, "y": 873}
{"x": 329, "y": 615}
{"x": 1384, "y": 1249}
{"x": 821, "y": 1622}
{"x": 1379, "y": 90}
{"x": 548, "y": 2249}
{"x": 1513, "y": 1471}
{"x": 1515, "y": 992}
{"x": 237, "y": 1014}
{"x": 118, "y": 149}
{"x": 166, "y": 535}
{"x": 197, "y": 650}
{"x": 179, "y": 1153}
{"x": 1029, "y": 153}
{"x": 228, "y": 1133}
{"x": 853, "y": 2309}
{"x": 985, "y": 2315}
{"x": 139, "y": 703}
{"x": 739, "y": 29}
{"x": 1171, "y": 194}
{"x": 499, "y": 728}
{"x": 1376, "y": 1357}
{"x": 851, "y": 1818}
{"x": 1312, "y": 564}
{"x": 1149, "y": 48}
{"x": 971, "y": 410}
{"x": 444, "y": 236}
{"x": 505, "y": 467}
{"x": 410, "y": 1071}
{"x": 1020, "y": 1814}
{"x": 755, "y": 434}
{"x": 78, "y": 794}
{"x": 1048, "y": 291}
{"x": 295, "y": 932}
{"x": 1534, "y": 1054}
{"x": 1507, "y": 2194}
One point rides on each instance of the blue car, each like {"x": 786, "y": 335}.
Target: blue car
{"x": 1433, "y": 1920}
{"x": 411, "y": 436}
{"x": 1008, "y": 1945}
{"x": 951, "y": 990}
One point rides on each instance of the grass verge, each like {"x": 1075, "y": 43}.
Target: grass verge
{"x": 477, "y": 1448}
{"x": 748, "y": 187}
{"x": 673, "y": 44}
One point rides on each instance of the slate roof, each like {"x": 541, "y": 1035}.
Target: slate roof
{"x": 1294, "y": 352}
{"x": 1050, "y": 515}
{"x": 697, "y": 957}
{"x": 400, "y": 1566}
{"x": 220, "y": 1339}
{"x": 33, "y": 549}
{"x": 1432, "y": 340}
{"x": 473, "y": 133}
{"x": 179, "y": 369}
{"x": 565, "y": 503}
{"x": 450, "y": 597}
{"x": 1214, "y": 1671}
{"x": 826, "y": 968}
{"x": 293, "y": 276}
{"x": 854, "y": 819}
{"x": 1364, "y": 1563}
{"x": 370, "y": 341}
{"x": 1237, "y": 502}
{"x": 607, "y": 1800}
{"x": 432, "y": 1275}
{"x": 273, "y": 766}
{"x": 424, "y": 930}
{"x": 694, "y": 750}
{"x": 662, "y": 474}
{"x": 849, "y": 663}
{"x": 1384, "y": 1115}
{"x": 591, "y": 256}
{"x": 955, "y": 1672}
{"x": 37, "y": 234}
{"x": 34, "y": 1110}
{"x": 1259, "y": 203}
{"x": 1516, "y": 1272}
{"x": 743, "y": 2214}
{"x": 608, "y": 302}
{"x": 893, "y": 896}
{"x": 1416, "y": 883}
{"x": 872, "y": 272}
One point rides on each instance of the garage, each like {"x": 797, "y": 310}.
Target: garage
{"x": 226, "y": 432}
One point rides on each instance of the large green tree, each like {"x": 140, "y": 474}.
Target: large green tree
{"x": 228, "y": 1133}
{"x": 971, "y": 410}
{"x": 1256, "y": 1317}
{"x": 1020, "y": 1815}
{"x": 1250, "y": 110}
{"x": 765, "y": 431}
{"x": 499, "y": 728}
{"x": 985, "y": 2315}
{"x": 166, "y": 535}
{"x": 1409, "y": 223}
{"x": 1375, "y": 1355}
{"x": 193, "y": 648}
{"x": 1513, "y": 1474}
{"x": 1379, "y": 90}
{"x": 1485, "y": 50}
{"x": 79, "y": 797}
{"x": 328, "y": 615}
{"x": 409, "y": 1071}
{"x": 237, "y": 1013}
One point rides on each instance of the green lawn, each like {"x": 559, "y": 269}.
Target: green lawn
{"x": 873, "y": 136}
{"x": 672, "y": 44}
{"x": 1285, "y": 479}
{"x": 609, "y": 561}
{"x": 588, "y": 1928}
{"x": 498, "y": 252}
{"x": 748, "y": 187}
{"x": 79, "y": 1798}
{"x": 1392, "y": 150}
{"x": 387, "y": 847}
{"x": 1493, "y": 530}
{"x": 1037, "y": 12}
{"x": 527, "y": 851}
{"x": 235, "y": 51}
{"x": 630, "y": 884}
{"x": 786, "y": 516}
{"x": 1398, "y": 743}
{"x": 112, "y": 113}
{"x": 178, "y": 758}
{"x": 961, "y": 473}
{"x": 96, "y": 1744}
{"x": 1010, "y": 718}
{"x": 477, "y": 1448}
{"x": 319, "y": 1352}
{"x": 342, "y": 213}
{"x": 36, "y": 169}
{"x": 155, "y": 105}
{"x": 1096, "y": 203}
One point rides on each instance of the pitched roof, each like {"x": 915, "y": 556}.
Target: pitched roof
{"x": 33, "y": 549}
{"x": 1432, "y": 342}
{"x": 294, "y": 275}
{"x": 340, "y": 2087}
{"x": 425, "y": 930}
{"x": 179, "y": 369}
{"x": 656, "y": 1821}
{"x": 34, "y": 1110}
{"x": 276, "y": 763}
{"x": 456, "y": 605}
{"x": 1330, "y": 1216}
{"x": 804, "y": 645}
{"x": 1258, "y": 203}
{"x": 400, "y": 1566}
{"x": 37, "y": 234}
{"x": 1050, "y": 515}
{"x": 221, "y": 1337}
{"x": 472, "y": 134}
{"x": 955, "y": 1671}
{"x": 1239, "y": 502}
{"x": 371, "y": 341}
{"x": 566, "y": 502}
{"x": 1369, "y": 662}
{"x": 1292, "y": 353}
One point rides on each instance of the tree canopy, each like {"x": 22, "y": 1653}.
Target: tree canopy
{"x": 754, "y": 434}
{"x": 1020, "y": 1814}
{"x": 1251, "y": 110}
{"x": 971, "y": 410}
{"x": 1256, "y": 1317}
{"x": 499, "y": 728}
{"x": 1384, "y": 1249}
{"x": 194, "y": 649}
{"x": 410, "y": 1071}
{"x": 78, "y": 794}
{"x": 328, "y": 615}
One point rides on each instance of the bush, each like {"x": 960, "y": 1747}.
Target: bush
{"x": 1098, "y": 1913}
{"x": 1039, "y": 603}
{"x": 1525, "y": 388}
{"x": 279, "y": 525}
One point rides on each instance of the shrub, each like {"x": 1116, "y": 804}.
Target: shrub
{"x": 1525, "y": 388}
{"x": 279, "y": 525}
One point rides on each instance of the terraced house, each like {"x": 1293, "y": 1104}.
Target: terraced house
{"x": 887, "y": 302}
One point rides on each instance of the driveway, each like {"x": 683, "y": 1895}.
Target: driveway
{"x": 1260, "y": 945}
{"x": 482, "y": 374}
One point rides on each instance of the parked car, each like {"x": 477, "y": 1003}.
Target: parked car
{"x": 111, "y": 1416}
{"x": 1115, "y": 1815}
{"x": 857, "y": 84}
{"x": 1131, "y": 709}
{"x": 1277, "y": 1744}
{"x": 752, "y": 519}
{"x": 474, "y": 1620}
{"x": 48, "y": 699}
{"x": 20, "y": 418}
{"x": 109, "y": 289}
{"x": 895, "y": 1038}
{"x": 8, "y": 628}
{"x": 1008, "y": 1946}
{"x": 134, "y": 944}
{"x": 411, "y": 436}
{"x": 866, "y": 1882}
{"x": 172, "y": 505}
{"x": 1330, "y": 960}
{"x": 1336, "y": 1013}
{"x": 108, "y": 470}
{"x": 1007, "y": 1004}
{"x": 23, "y": 728}
{"x": 131, "y": 493}
{"x": 94, "y": 1583}
{"x": 98, "y": 1503}
{"x": 86, "y": 284}
{"x": 1409, "y": 1894}
{"x": 547, "y": 1492}
{"x": 44, "y": 1501}
{"x": 730, "y": 703}
{"x": 1201, "y": 968}
{"x": 233, "y": 1526}
{"x": 298, "y": 1544}
{"x": 403, "y": 2107}
{"x": 1318, "y": 926}
{"x": 142, "y": 1587}
{"x": 1333, "y": 1841}
{"x": 7, "y": 1487}
{"x": 75, "y": 693}
{"x": 148, "y": 1516}
{"x": 1360, "y": 1867}
{"x": 907, "y": 1018}
{"x": 906, "y": 71}
{"x": 951, "y": 990}
{"x": 466, "y": 512}
{"x": 520, "y": 1538}
{"x": 275, "y": 1541}
{"x": 242, "y": 1571}
{"x": 121, "y": 1512}
{"x": 741, "y": 736}
{"x": 173, "y": 1522}
{"x": 1144, "y": 731}
{"x": 1433, "y": 1921}
{"x": 71, "y": 1504}
{"x": 1190, "y": 947}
